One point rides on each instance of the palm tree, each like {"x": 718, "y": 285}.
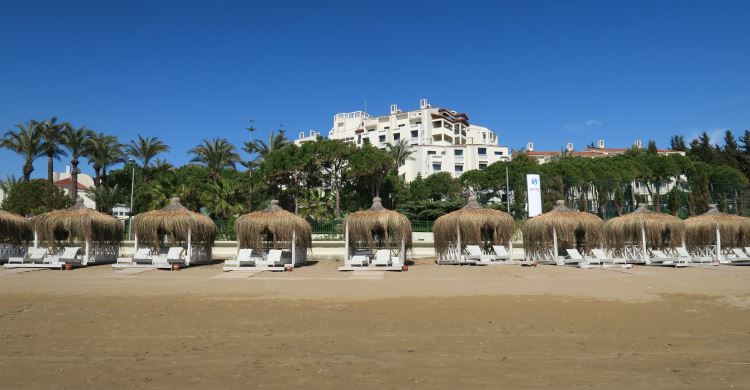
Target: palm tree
{"x": 52, "y": 140}
{"x": 27, "y": 143}
{"x": 275, "y": 141}
{"x": 144, "y": 150}
{"x": 224, "y": 198}
{"x": 315, "y": 205}
{"x": 216, "y": 154}
{"x": 106, "y": 197}
{"x": 161, "y": 165}
{"x": 400, "y": 152}
{"x": 76, "y": 141}
{"x": 103, "y": 151}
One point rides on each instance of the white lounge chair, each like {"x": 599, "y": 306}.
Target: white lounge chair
{"x": 360, "y": 258}
{"x": 383, "y": 258}
{"x": 70, "y": 255}
{"x": 142, "y": 256}
{"x": 174, "y": 255}
{"x": 577, "y": 258}
{"x": 683, "y": 254}
{"x": 33, "y": 255}
{"x": 245, "y": 257}
{"x": 500, "y": 252}
{"x": 602, "y": 257}
{"x": 476, "y": 254}
{"x": 747, "y": 250}
{"x": 273, "y": 258}
{"x": 739, "y": 257}
{"x": 661, "y": 258}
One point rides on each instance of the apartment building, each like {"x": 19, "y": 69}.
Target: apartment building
{"x": 442, "y": 140}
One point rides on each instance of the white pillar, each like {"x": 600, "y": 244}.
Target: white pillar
{"x": 294, "y": 247}
{"x": 554, "y": 243}
{"x": 346, "y": 243}
{"x": 86, "y": 252}
{"x": 459, "y": 247}
{"x": 510, "y": 248}
{"x": 36, "y": 239}
{"x": 190, "y": 246}
{"x": 403, "y": 252}
{"x": 718, "y": 243}
{"x": 643, "y": 243}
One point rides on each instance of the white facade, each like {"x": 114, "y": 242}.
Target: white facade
{"x": 85, "y": 183}
{"x": 442, "y": 140}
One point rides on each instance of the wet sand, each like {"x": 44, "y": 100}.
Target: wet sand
{"x": 430, "y": 327}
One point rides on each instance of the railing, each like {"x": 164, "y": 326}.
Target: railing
{"x": 336, "y": 228}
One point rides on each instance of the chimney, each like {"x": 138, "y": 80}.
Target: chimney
{"x": 67, "y": 169}
{"x": 394, "y": 109}
{"x": 638, "y": 144}
{"x": 530, "y": 147}
{"x": 423, "y": 104}
{"x": 600, "y": 144}
{"x": 569, "y": 147}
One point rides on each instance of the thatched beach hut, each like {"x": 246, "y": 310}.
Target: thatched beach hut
{"x": 376, "y": 230}
{"x": 99, "y": 233}
{"x": 471, "y": 225}
{"x": 176, "y": 226}
{"x": 273, "y": 228}
{"x": 635, "y": 233}
{"x": 559, "y": 229}
{"x": 15, "y": 231}
{"x": 708, "y": 233}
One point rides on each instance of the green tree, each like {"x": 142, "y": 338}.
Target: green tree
{"x": 224, "y": 198}
{"x": 75, "y": 140}
{"x": 35, "y": 197}
{"x": 52, "y": 143}
{"x": 333, "y": 156}
{"x": 217, "y": 155}
{"x": 26, "y": 142}
{"x": 261, "y": 149}
{"x": 368, "y": 167}
{"x": 144, "y": 150}
{"x": 103, "y": 151}
{"x": 677, "y": 142}
{"x": 106, "y": 197}
{"x": 401, "y": 152}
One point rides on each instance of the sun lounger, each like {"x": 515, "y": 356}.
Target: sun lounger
{"x": 500, "y": 252}
{"x": 747, "y": 250}
{"x": 245, "y": 257}
{"x": 575, "y": 257}
{"x": 360, "y": 258}
{"x": 142, "y": 256}
{"x": 33, "y": 255}
{"x": 602, "y": 257}
{"x": 739, "y": 257}
{"x": 70, "y": 255}
{"x": 476, "y": 254}
{"x": 273, "y": 258}
{"x": 660, "y": 258}
{"x": 174, "y": 255}
{"x": 382, "y": 257}
{"x": 683, "y": 254}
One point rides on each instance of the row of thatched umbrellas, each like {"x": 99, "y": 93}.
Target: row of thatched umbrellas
{"x": 274, "y": 227}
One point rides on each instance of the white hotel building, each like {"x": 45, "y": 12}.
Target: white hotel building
{"x": 442, "y": 140}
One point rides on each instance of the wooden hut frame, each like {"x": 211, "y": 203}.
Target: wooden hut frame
{"x": 15, "y": 234}
{"x": 713, "y": 234}
{"x": 97, "y": 233}
{"x": 544, "y": 234}
{"x": 269, "y": 229}
{"x": 633, "y": 236}
{"x": 376, "y": 229}
{"x": 472, "y": 225}
{"x": 177, "y": 227}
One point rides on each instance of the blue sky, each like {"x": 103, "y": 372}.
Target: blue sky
{"x": 550, "y": 72}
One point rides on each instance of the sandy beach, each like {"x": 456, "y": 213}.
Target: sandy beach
{"x": 430, "y": 327}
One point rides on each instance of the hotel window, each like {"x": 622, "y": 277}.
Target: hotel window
{"x": 418, "y": 122}
{"x": 381, "y": 138}
{"x": 482, "y": 151}
{"x": 498, "y": 153}
{"x": 431, "y": 152}
{"x": 386, "y": 128}
{"x": 396, "y": 136}
{"x": 459, "y": 169}
{"x": 458, "y": 152}
{"x": 436, "y": 167}
{"x": 482, "y": 166}
{"x": 415, "y": 133}
{"x": 401, "y": 125}
{"x": 359, "y": 139}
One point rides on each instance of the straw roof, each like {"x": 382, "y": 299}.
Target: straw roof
{"x": 77, "y": 222}
{"x": 378, "y": 226}
{"x": 537, "y": 231}
{"x": 472, "y": 221}
{"x": 14, "y": 228}
{"x": 662, "y": 230}
{"x": 274, "y": 222}
{"x": 174, "y": 220}
{"x": 701, "y": 229}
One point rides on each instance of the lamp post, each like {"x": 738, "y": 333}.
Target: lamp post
{"x": 132, "y": 187}
{"x": 507, "y": 187}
